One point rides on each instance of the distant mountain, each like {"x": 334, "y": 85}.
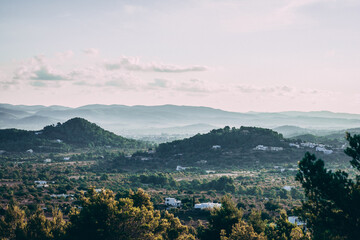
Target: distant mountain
{"x": 172, "y": 119}
{"x": 76, "y": 132}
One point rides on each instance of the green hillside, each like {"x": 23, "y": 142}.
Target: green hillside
{"x": 75, "y": 133}
{"x": 242, "y": 138}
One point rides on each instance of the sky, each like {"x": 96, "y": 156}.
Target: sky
{"x": 236, "y": 55}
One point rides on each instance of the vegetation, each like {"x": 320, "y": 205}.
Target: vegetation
{"x": 75, "y": 133}
{"x": 331, "y": 209}
{"x": 257, "y": 189}
{"x": 229, "y": 138}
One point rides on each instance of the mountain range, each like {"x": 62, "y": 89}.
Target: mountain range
{"x": 137, "y": 121}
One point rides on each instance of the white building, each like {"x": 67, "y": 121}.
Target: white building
{"x": 62, "y": 195}
{"x": 180, "y": 168}
{"x": 294, "y": 145}
{"x": 324, "y": 150}
{"x": 58, "y": 140}
{"x": 308, "y": 144}
{"x": 287, "y": 188}
{"x": 48, "y": 160}
{"x": 208, "y": 205}
{"x": 40, "y": 184}
{"x": 29, "y": 151}
{"x": 172, "y": 202}
{"x": 295, "y": 220}
{"x": 261, "y": 148}
{"x": 276, "y": 149}
{"x": 216, "y": 147}
{"x": 66, "y": 158}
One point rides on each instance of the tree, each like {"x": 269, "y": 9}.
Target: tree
{"x": 38, "y": 227}
{"x": 223, "y": 219}
{"x": 256, "y": 222}
{"x": 174, "y": 229}
{"x": 332, "y": 206}
{"x": 282, "y": 228}
{"x": 129, "y": 218}
{"x": 58, "y": 224}
{"x": 243, "y": 231}
{"x": 12, "y": 225}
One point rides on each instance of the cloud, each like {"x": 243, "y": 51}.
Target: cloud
{"x": 48, "y": 74}
{"x": 38, "y": 69}
{"x": 255, "y": 89}
{"x": 194, "y": 85}
{"x": 91, "y": 51}
{"x": 134, "y": 64}
{"x": 38, "y": 84}
{"x": 159, "y": 83}
{"x": 65, "y": 55}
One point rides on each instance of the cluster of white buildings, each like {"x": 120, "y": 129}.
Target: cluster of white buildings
{"x": 318, "y": 147}
{"x": 266, "y": 148}
{"x": 172, "y": 202}
{"x": 62, "y": 195}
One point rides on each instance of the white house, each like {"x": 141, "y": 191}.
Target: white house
{"x": 207, "y": 205}
{"x": 29, "y": 151}
{"x": 294, "y": 145}
{"x": 180, "y": 168}
{"x": 48, "y": 160}
{"x": 324, "y": 150}
{"x": 172, "y": 202}
{"x": 295, "y": 220}
{"x": 66, "y": 158}
{"x": 261, "y": 148}
{"x": 58, "y": 140}
{"x": 61, "y": 195}
{"x": 216, "y": 147}
{"x": 41, "y": 184}
{"x": 276, "y": 149}
{"x": 287, "y": 188}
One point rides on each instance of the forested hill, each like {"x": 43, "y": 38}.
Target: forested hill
{"x": 226, "y": 138}
{"x": 76, "y": 132}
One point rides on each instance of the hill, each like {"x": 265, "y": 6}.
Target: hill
{"x": 74, "y": 133}
{"x": 243, "y": 138}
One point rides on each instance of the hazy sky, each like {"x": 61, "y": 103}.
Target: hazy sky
{"x": 238, "y": 55}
